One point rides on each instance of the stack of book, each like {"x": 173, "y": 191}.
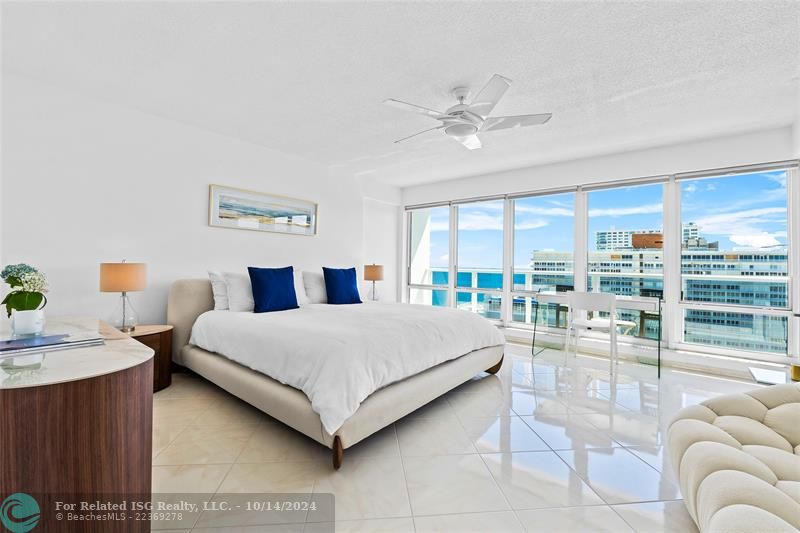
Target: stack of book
{"x": 50, "y": 341}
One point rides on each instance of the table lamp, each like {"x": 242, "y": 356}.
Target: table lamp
{"x": 373, "y": 273}
{"x": 123, "y": 278}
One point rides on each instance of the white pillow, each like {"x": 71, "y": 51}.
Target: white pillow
{"x": 315, "y": 287}
{"x": 220, "y": 290}
{"x": 240, "y": 292}
{"x": 299, "y": 289}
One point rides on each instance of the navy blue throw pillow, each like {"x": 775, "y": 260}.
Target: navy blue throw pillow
{"x": 341, "y": 285}
{"x": 273, "y": 289}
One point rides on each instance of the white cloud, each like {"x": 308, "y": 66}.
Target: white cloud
{"x": 544, "y": 211}
{"x": 439, "y": 225}
{"x": 740, "y": 222}
{"x": 476, "y": 221}
{"x": 479, "y": 222}
{"x": 756, "y": 240}
{"x": 559, "y": 203}
{"x": 647, "y": 209}
{"x": 692, "y": 187}
{"x": 778, "y": 177}
{"x": 746, "y": 228}
{"x": 531, "y": 224}
{"x": 761, "y": 197}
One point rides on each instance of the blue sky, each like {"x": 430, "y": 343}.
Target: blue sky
{"x": 741, "y": 212}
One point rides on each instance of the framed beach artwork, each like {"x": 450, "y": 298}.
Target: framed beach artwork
{"x": 229, "y": 207}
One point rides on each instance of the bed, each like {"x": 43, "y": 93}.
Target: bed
{"x": 343, "y": 352}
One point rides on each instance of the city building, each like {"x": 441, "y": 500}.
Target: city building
{"x": 619, "y": 239}
{"x": 741, "y": 278}
{"x": 640, "y": 238}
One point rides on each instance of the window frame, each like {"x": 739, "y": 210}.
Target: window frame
{"x": 511, "y": 292}
{"x": 673, "y": 306}
{"x": 681, "y": 305}
{"x": 407, "y": 227}
{"x": 453, "y": 278}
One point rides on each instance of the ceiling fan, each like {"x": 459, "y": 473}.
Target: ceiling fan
{"x": 463, "y": 122}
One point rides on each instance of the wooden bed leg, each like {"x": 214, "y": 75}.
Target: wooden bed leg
{"x": 338, "y": 452}
{"x": 496, "y": 368}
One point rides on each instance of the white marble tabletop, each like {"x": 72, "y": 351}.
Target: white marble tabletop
{"x": 117, "y": 353}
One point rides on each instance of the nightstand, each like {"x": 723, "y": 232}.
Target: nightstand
{"x": 159, "y": 338}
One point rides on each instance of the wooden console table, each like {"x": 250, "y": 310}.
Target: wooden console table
{"x": 80, "y": 427}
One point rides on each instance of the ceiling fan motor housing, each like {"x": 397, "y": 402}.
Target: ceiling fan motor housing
{"x": 461, "y": 130}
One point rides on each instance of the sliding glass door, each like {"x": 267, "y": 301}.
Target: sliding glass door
{"x": 429, "y": 255}
{"x": 735, "y": 261}
{"x": 479, "y": 279}
{"x": 715, "y": 249}
{"x": 626, "y": 250}
{"x": 543, "y": 256}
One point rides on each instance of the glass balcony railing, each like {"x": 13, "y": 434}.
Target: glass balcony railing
{"x": 485, "y": 304}
{"x": 728, "y": 324}
{"x": 757, "y": 291}
{"x": 738, "y": 331}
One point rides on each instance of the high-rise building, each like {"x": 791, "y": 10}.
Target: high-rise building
{"x": 619, "y": 239}
{"x": 690, "y": 231}
{"x": 623, "y": 239}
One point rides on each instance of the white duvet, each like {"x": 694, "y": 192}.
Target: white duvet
{"x": 340, "y": 354}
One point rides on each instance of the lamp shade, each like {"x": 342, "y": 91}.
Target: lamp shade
{"x": 373, "y": 272}
{"x": 122, "y": 277}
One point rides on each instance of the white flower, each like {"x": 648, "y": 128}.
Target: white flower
{"x": 33, "y": 282}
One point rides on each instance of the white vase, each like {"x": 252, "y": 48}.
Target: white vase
{"x": 27, "y": 322}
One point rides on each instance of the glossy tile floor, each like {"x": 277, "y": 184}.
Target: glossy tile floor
{"x": 545, "y": 445}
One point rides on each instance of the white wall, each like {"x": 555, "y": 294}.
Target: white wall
{"x": 381, "y": 245}
{"x": 382, "y": 233}
{"x": 796, "y": 127}
{"x": 757, "y": 147}
{"x": 84, "y": 182}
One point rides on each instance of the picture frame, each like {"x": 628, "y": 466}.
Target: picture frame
{"x": 234, "y": 208}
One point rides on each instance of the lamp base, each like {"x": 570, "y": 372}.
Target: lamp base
{"x": 373, "y": 294}
{"x": 124, "y": 317}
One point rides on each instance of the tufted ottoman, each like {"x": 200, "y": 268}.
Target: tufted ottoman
{"x": 736, "y": 457}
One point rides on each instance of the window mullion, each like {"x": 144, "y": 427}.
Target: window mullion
{"x": 508, "y": 261}
{"x": 793, "y": 186}
{"x": 453, "y": 266}
{"x": 405, "y": 295}
{"x": 581, "y": 250}
{"x": 672, "y": 322}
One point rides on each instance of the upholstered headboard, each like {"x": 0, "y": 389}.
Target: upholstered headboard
{"x": 188, "y": 299}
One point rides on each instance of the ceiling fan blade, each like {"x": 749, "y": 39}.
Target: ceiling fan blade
{"x": 470, "y": 141}
{"x": 518, "y": 121}
{"x": 414, "y": 108}
{"x": 418, "y": 133}
{"x": 491, "y": 93}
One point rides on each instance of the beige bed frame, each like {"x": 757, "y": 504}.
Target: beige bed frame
{"x": 189, "y": 298}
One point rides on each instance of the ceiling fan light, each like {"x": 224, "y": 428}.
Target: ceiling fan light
{"x": 461, "y": 130}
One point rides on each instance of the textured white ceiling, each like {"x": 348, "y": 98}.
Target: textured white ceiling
{"x": 309, "y": 78}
